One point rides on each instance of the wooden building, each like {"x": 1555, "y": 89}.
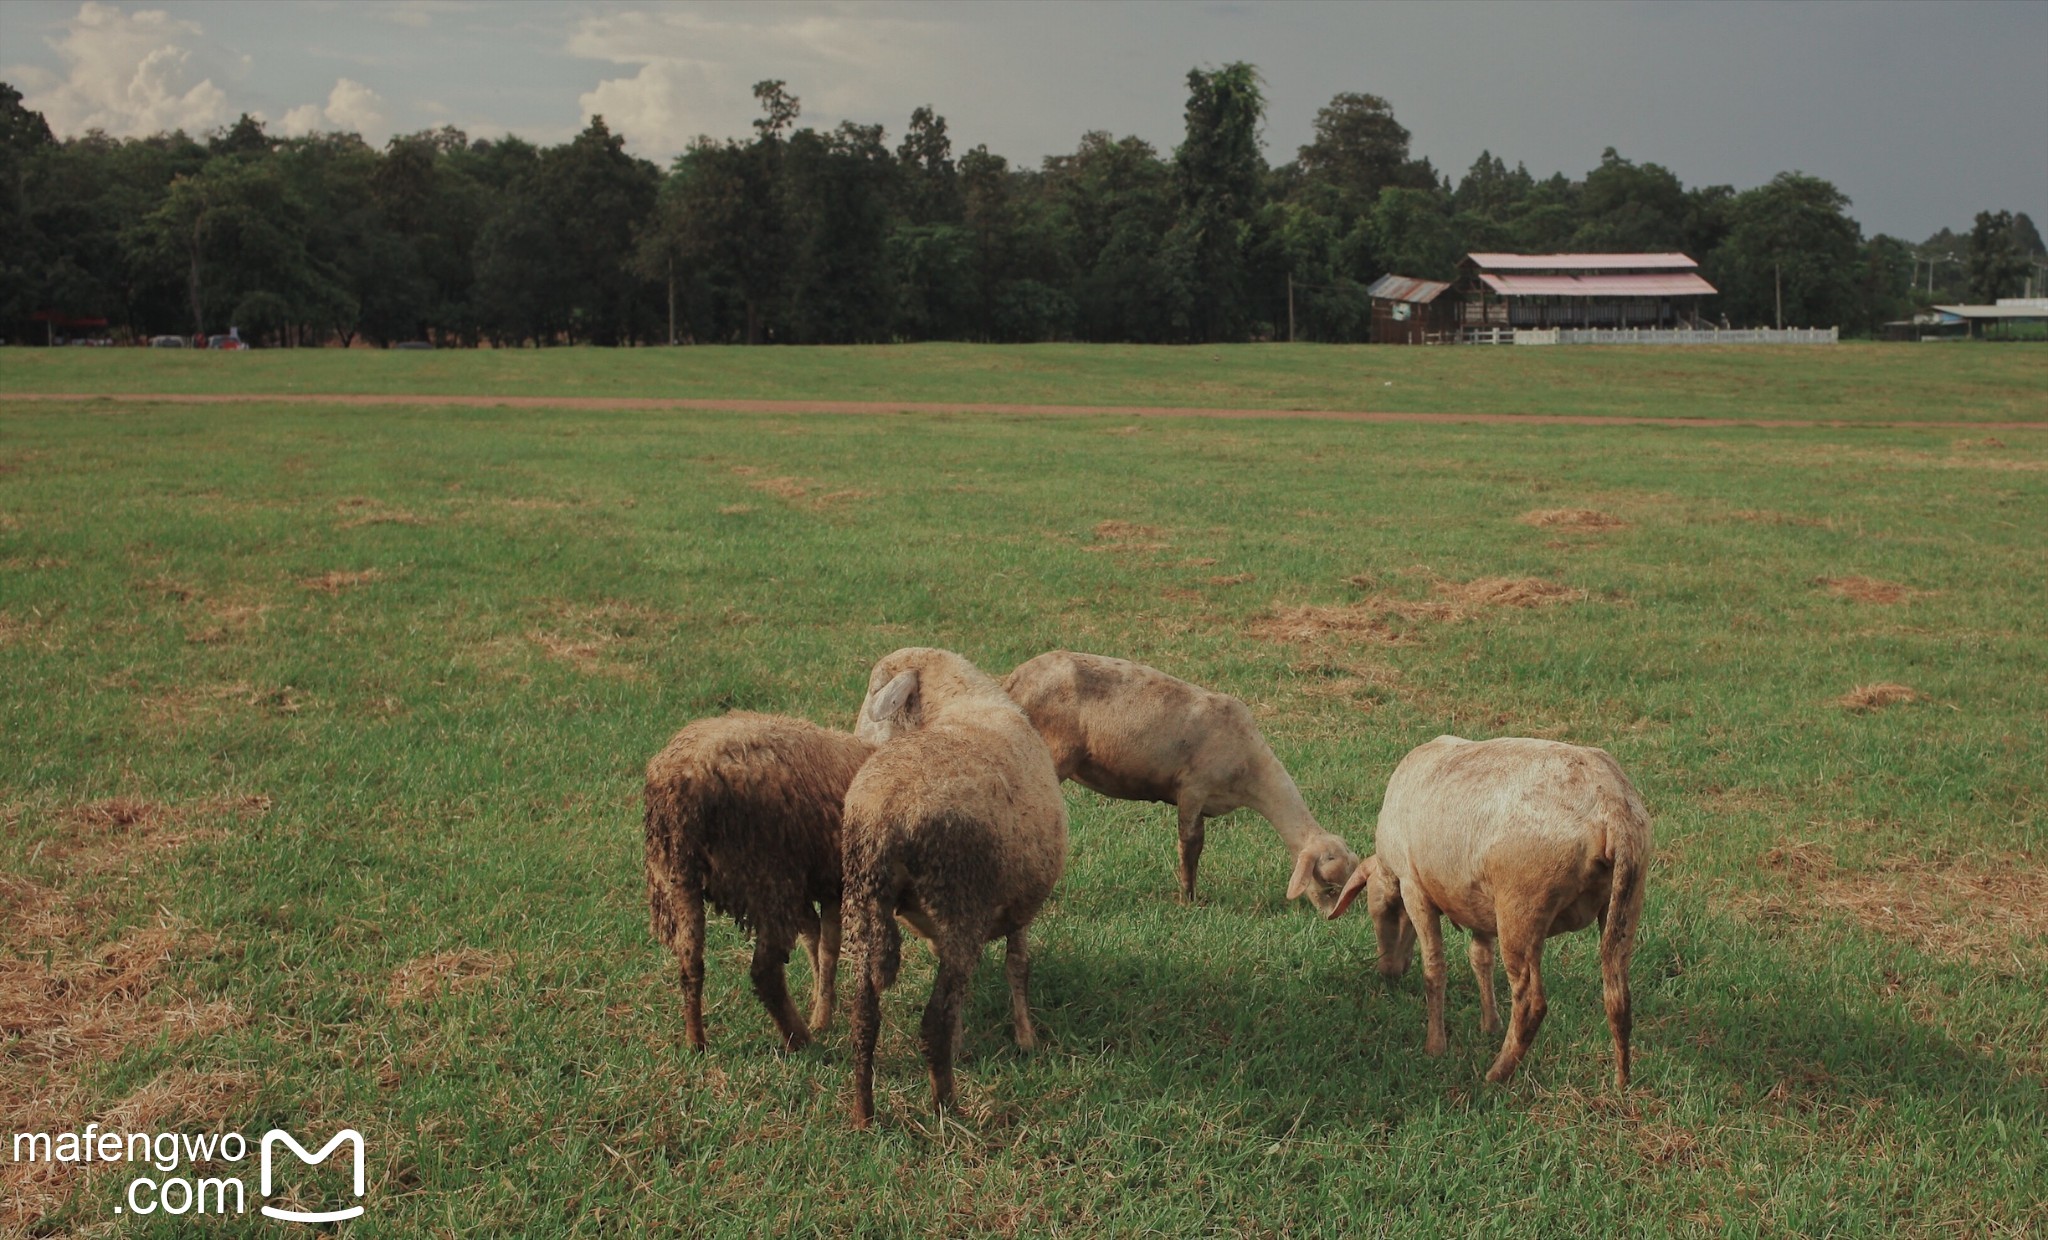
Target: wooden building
{"x": 1406, "y": 310}
{"x": 1578, "y": 290}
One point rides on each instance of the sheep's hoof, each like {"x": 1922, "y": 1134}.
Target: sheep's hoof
{"x": 1500, "y": 1072}
{"x": 1435, "y": 1047}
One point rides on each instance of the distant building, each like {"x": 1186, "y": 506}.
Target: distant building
{"x": 2008, "y": 313}
{"x": 1406, "y": 310}
{"x": 1579, "y": 290}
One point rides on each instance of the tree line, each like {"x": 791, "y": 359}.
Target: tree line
{"x": 801, "y": 235}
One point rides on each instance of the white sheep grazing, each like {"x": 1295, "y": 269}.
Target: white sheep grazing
{"x": 744, "y": 810}
{"x": 1514, "y": 840}
{"x": 957, "y": 824}
{"x": 1135, "y": 733}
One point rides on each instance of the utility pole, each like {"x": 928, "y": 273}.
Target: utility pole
{"x": 1290, "y": 307}
{"x": 671, "y": 300}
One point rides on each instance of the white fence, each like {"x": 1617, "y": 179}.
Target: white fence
{"x": 1656, "y": 335}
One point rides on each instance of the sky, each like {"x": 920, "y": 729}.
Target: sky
{"x": 1923, "y": 113}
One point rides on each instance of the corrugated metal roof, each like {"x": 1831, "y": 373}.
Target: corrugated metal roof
{"x": 1582, "y": 262}
{"x": 1651, "y": 284}
{"x": 1405, "y": 288}
{"x": 1999, "y": 311}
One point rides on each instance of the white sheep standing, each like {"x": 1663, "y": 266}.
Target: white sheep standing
{"x": 1515, "y": 840}
{"x": 744, "y": 810}
{"x": 956, "y": 823}
{"x": 1135, "y": 733}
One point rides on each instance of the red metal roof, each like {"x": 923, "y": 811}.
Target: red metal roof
{"x": 1652, "y": 284}
{"x": 1581, "y": 262}
{"x": 1405, "y": 288}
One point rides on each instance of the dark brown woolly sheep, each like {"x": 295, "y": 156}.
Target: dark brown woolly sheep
{"x": 957, "y": 824}
{"x": 1135, "y": 733}
{"x": 744, "y": 810}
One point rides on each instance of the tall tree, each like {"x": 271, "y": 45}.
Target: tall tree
{"x": 1791, "y": 256}
{"x": 1994, "y": 260}
{"x": 1358, "y": 150}
{"x": 1219, "y": 173}
{"x": 931, "y": 181}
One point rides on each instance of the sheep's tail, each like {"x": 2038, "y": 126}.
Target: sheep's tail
{"x": 1628, "y": 842}
{"x": 873, "y": 945}
{"x": 675, "y": 890}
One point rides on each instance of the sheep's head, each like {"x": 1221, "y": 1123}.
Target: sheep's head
{"x": 1390, "y": 922}
{"x": 1320, "y": 869}
{"x": 893, "y": 706}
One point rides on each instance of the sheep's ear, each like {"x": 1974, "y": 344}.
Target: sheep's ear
{"x": 892, "y": 696}
{"x": 1355, "y": 884}
{"x": 1304, "y": 874}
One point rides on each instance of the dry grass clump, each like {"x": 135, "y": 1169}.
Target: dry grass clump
{"x": 337, "y": 580}
{"x": 23, "y": 563}
{"x": 1234, "y": 579}
{"x": 429, "y": 977}
{"x": 1508, "y": 592}
{"x": 1372, "y": 619}
{"x": 73, "y": 994}
{"x": 1864, "y": 698}
{"x": 588, "y": 635}
{"x": 1866, "y": 589}
{"x": 1119, "y": 536}
{"x": 1987, "y": 910}
{"x": 1572, "y": 519}
{"x": 1309, "y": 624}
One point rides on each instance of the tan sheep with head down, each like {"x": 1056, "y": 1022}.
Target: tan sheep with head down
{"x": 1135, "y": 733}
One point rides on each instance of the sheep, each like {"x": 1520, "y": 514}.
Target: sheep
{"x": 1515, "y": 840}
{"x": 744, "y": 809}
{"x": 1133, "y": 732}
{"x": 957, "y": 825}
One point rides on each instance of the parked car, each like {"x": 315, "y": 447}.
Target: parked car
{"x": 414, "y": 344}
{"x": 167, "y": 342}
{"x": 226, "y": 342}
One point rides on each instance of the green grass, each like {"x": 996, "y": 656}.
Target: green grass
{"x": 1839, "y": 1016}
{"x": 1855, "y": 382}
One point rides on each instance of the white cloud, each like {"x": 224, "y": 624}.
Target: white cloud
{"x": 126, "y": 73}
{"x": 351, "y": 107}
{"x": 696, "y": 68}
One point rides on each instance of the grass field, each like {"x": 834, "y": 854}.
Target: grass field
{"x": 1854, "y": 382}
{"x": 324, "y": 727}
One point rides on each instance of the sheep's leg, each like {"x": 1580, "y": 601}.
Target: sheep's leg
{"x": 1615, "y": 950}
{"x": 824, "y": 967}
{"x": 1017, "y": 963}
{"x": 771, "y": 959}
{"x": 1521, "y": 948}
{"x": 1191, "y": 840}
{"x": 865, "y": 1018}
{"x": 1429, "y": 932}
{"x": 940, "y": 1032}
{"x": 683, "y": 909}
{"x": 1482, "y": 968}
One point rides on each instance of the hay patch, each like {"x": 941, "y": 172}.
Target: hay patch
{"x": 734, "y": 510}
{"x": 1971, "y": 910}
{"x": 1508, "y": 592}
{"x": 1233, "y": 579}
{"x": 1382, "y": 619}
{"x": 74, "y": 994}
{"x": 444, "y": 973}
{"x": 803, "y": 492}
{"x": 38, "y": 563}
{"x": 337, "y": 580}
{"x": 589, "y": 636}
{"x": 1126, "y": 536}
{"x": 1866, "y": 590}
{"x": 1865, "y": 698}
{"x": 1572, "y": 520}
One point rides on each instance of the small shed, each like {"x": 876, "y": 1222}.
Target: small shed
{"x": 1407, "y": 310}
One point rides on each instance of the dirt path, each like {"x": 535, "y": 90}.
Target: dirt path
{"x": 890, "y": 406}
